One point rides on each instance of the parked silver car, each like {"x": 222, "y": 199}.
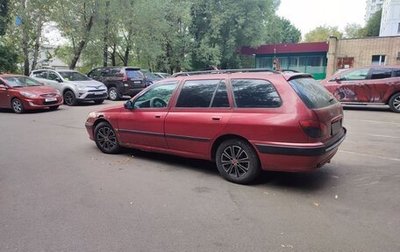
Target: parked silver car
{"x": 74, "y": 86}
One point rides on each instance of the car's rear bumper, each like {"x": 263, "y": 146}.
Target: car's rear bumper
{"x": 298, "y": 157}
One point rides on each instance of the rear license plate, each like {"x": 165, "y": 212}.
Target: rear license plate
{"x": 51, "y": 99}
{"x": 336, "y": 127}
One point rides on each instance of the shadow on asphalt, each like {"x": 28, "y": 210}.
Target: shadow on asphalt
{"x": 307, "y": 182}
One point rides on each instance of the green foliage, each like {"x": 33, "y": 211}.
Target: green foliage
{"x": 281, "y": 30}
{"x": 8, "y": 59}
{"x": 322, "y": 33}
{"x": 354, "y": 31}
{"x": 3, "y": 16}
{"x": 374, "y": 24}
{"x": 221, "y": 27}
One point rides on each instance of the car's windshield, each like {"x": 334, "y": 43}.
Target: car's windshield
{"x": 73, "y": 76}
{"x": 21, "y": 81}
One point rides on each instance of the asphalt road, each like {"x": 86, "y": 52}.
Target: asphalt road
{"x": 58, "y": 192}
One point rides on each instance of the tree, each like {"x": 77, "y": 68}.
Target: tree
{"x": 281, "y": 30}
{"x": 354, "y": 31}
{"x": 374, "y": 24}
{"x": 76, "y": 20}
{"x": 322, "y": 33}
{"x": 3, "y": 16}
{"x": 219, "y": 28}
{"x": 8, "y": 58}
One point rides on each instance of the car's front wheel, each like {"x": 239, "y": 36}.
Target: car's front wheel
{"x": 70, "y": 98}
{"x": 106, "y": 139}
{"x": 237, "y": 161}
{"x": 17, "y": 106}
{"x": 394, "y": 103}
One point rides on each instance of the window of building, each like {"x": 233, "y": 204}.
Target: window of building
{"x": 252, "y": 93}
{"x": 378, "y": 60}
{"x": 199, "y": 94}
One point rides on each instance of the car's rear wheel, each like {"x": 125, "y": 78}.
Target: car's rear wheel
{"x": 113, "y": 94}
{"x": 106, "y": 139}
{"x": 394, "y": 103}
{"x": 98, "y": 101}
{"x": 17, "y": 106}
{"x": 69, "y": 98}
{"x": 237, "y": 161}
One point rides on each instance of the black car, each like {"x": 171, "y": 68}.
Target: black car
{"x": 120, "y": 81}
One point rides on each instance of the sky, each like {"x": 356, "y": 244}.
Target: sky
{"x": 308, "y": 14}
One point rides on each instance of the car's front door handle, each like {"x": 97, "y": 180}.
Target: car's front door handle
{"x": 157, "y": 116}
{"x": 216, "y": 118}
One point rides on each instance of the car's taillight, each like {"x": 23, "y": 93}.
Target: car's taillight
{"x": 313, "y": 129}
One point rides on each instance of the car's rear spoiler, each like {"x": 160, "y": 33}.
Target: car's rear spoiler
{"x": 293, "y": 76}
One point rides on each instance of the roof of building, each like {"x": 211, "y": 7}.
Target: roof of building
{"x": 287, "y": 48}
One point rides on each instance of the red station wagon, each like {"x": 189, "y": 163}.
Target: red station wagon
{"x": 244, "y": 120}
{"x": 21, "y": 93}
{"x": 368, "y": 85}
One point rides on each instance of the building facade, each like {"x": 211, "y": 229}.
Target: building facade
{"x": 390, "y": 22}
{"x": 372, "y": 7}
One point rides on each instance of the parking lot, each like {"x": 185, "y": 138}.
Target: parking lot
{"x": 58, "y": 192}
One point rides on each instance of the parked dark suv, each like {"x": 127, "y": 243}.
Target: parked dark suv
{"x": 244, "y": 121}
{"x": 120, "y": 81}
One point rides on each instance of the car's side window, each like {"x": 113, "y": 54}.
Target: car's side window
{"x": 359, "y": 74}
{"x": 199, "y": 94}
{"x": 381, "y": 73}
{"x": 53, "y": 76}
{"x": 157, "y": 97}
{"x": 40, "y": 74}
{"x": 95, "y": 73}
{"x": 396, "y": 72}
{"x": 220, "y": 99}
{"x": 255, "y": 93}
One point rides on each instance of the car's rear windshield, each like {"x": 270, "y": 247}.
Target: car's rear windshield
{"x": 312, "y": 93}
{"x": 73, "y": 76}
{"x": 134, "y": 74}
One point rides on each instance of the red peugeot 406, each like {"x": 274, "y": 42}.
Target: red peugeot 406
{"x": 244, "y": 120}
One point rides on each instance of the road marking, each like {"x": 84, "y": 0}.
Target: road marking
{"x": 371, "y": 155}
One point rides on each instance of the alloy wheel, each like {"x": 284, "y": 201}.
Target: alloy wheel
{"x": 106, "y": 138}
{"x": 235, "y": 161}
{"x": 17, "y": 106}
{"x": 396, "y": 103}
{"x": 113, "y": 94}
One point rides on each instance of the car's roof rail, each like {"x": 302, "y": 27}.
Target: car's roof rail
{"x": 244, "y": 70}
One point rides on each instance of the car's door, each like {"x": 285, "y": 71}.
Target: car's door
{"x": 55, "y": 80}
{"x": 348, "y": 87}
{"x": 143, "y": 126}
{"x": 198, "y": 116}
{"x": 376, "y": 86}
{"x": 4, "y": 95}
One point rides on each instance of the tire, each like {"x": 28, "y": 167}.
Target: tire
{"x": 113, "y": 94}
{"x": 70, "y": 98}
{"x": 106, "y": 139}
{"x": 98, "y": 101}
{"x": 17, "y": 106}
{"x": 53, "y": 108}
{"x": 237, "y": 161}
{"x": 394, "y": 103}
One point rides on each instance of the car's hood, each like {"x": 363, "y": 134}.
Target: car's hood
{"x": 113, "y": 109}
{"x": 88, "y": 84}
{"x": 37, "y": 90}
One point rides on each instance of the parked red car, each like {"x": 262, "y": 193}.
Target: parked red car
{"x": 21, "y": 93}
{"x": 368, "y": 85}
{"x": 244, "y": 121}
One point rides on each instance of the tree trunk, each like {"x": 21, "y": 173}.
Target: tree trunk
{"x": 82, "y": 43}
{"x": 37, "y": 43}
{"x": 126, "y": 56}
{"x": 105, "y": 39}
{"x": 25, "y": 38}
{"x": 113, "y": 59}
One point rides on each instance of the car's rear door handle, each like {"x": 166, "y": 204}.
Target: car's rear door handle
{"x": 157, "y": 116}
{"x": 216, "y": 118}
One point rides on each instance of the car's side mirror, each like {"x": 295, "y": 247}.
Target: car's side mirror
{"x": 59, "y": 80}
{"x": 129, "y": 105}
{"x": 338, "y": 79}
